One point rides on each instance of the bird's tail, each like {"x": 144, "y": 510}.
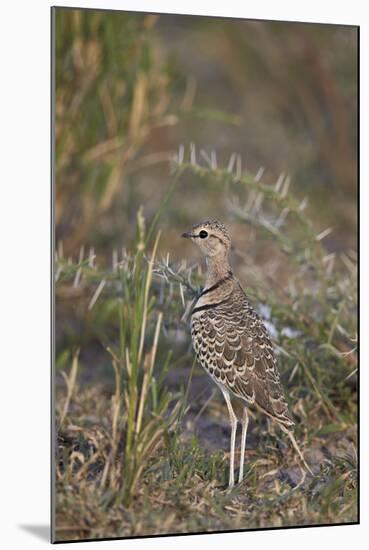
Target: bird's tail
{"x": 297, "y": 449}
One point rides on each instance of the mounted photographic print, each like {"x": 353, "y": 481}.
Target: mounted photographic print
{"x": 205, "y": 199}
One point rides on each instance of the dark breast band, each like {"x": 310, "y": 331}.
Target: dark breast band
{"x": 210, "y": 306}
{"x": 217, "y": 285}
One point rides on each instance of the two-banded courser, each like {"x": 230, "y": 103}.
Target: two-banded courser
{"x": 232, "y": 343}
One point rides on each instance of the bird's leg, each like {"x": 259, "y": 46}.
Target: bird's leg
{"x": 245, "y": 423}
{"x": 233, "y": 420}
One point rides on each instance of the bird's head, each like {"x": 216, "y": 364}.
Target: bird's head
{"x": 211, "y": 236}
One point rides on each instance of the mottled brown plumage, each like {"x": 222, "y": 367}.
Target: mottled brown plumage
{"x": 232, "y": 344}
{"x": 231, "y": 341}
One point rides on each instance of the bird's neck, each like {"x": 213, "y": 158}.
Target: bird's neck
{"x": 218, "y": 268}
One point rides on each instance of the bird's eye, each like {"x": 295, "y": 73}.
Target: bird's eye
{"x": 203, "y": 234}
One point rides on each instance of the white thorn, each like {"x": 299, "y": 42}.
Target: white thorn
{"x": 77, "y": 277}
{"x": 286, "y": 187}
{"x": 193, "y": 154}
{"x": 330, "y": 265}
{"x": 327, "y": 258}
{"x": 81, "y": 254}
{"x": 58, "y": 273}
{"x": 182, "y": 295}
{"x": 206, "y": 157}
{"x": 250, "y": 200}
{"x": 279, "y": 182}
{"x": 213, "y": 160}
{"x": 91, "y": 257}
{"x": 324, "y": 234}
{"x": 180, "y": 154}
{"x": 96, "y": 294}
{"x": 303, "y": 204}
{"x": 259, "y": 174}
{"x": 232, "y": 159}
{"x": 258, "y": 201}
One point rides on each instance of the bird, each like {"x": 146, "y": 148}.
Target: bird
{"x": 232, "y": 343}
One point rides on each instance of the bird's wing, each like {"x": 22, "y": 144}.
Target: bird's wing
{"x": 233, "y": 345}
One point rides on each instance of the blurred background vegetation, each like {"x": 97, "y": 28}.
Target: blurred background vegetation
{"x": 131, "y": 87}
{"x": 251, "y": 122}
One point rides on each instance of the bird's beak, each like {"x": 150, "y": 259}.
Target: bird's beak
{"x": 187, "y": 235}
